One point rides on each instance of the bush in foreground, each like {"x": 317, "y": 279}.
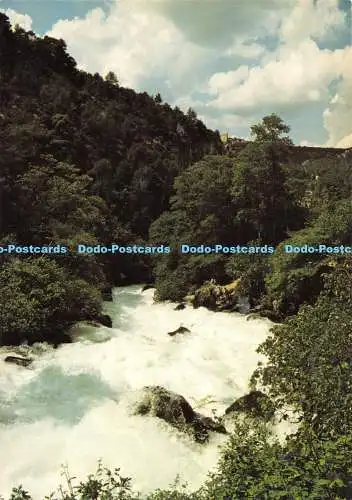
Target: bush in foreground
{"x": 253, "y": 464}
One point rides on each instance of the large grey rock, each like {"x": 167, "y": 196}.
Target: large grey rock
{"x": 175, "y": 410}
{"x": 217, "y": 297}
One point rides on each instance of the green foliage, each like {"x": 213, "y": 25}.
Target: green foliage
{"x": 203, "y": 196}
{"x": 172, "y": 278}
{"x": 332, "y": 180}
{"x": 20, "y": 494}
{"x": 255, "y": 465}
{"x": 251, "y": 269}
{"x": 201, "y": 212}
{"x": 318, "y": 184}
{"x": 266, "y": 211}
{"x": 111, "y": 77}
{"x": 85, "y": 160}
{"x": 310, "y": 358}
{"x": 129, "y": 145}
{"x": 39, "y": 300}
{"x": 271, "y": 130}
{"x": 296, "y": 278}
{"x": 218, "y": 200}
{"x": 53, "y": 203}
{"x": 103, "y": 485}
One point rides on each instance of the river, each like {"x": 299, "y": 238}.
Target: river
{"x": 73, "y": 405}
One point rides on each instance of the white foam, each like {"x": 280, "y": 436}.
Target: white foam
{"x": 73, "y": 405}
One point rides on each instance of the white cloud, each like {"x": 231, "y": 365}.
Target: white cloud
{"x": 227, "y": 121}
{"x": 176, "y": 41}
{"x": 346, "y": 142}
{"x": 135, "y": 43}
{"x": 337, "y": 116}
{"x": 222, "y": 82}
{"x": 23, "y": 20}
{"x": 176, "y": 44}
{"x": 299, "y": 75}
{"x": 310, "y": 19}
{"x": 246, "y": 50}
{"x": 213, "y": 23}
{"x": 310, "y": 144}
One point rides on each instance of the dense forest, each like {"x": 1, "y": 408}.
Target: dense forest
{"x": 86, "y": 161}
{"x": 83, "y": 161}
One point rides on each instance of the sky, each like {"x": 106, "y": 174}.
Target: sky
{"x": 232, "y": 61}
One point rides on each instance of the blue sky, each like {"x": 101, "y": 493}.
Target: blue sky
{"x": 230, "y": 60}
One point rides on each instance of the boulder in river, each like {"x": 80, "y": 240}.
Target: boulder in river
{"x": 17, "y": 360}
{"x": 255, "y": 404}
{"x": 148, "y": 286}
{"x": 180, "y": 329}
{"x": 217, "y": 297}
{"x": 175, "y": 410}
{"x": 103, "y": 319}
{"x": 252, "y": 316}
{"x": 180, "y": 307}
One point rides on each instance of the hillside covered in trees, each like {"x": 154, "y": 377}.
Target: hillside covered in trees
{"x": 83, "y": 161}
{"x": 86, "y": 161}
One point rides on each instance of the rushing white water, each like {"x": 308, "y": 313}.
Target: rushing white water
{"x": 73, "y": 405}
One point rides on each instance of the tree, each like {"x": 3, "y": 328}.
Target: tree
{"x": 266, "y": 209}
{"x": 63, "y": 207}
{"x": 203, "y": 193}
{"x": 271, "y": 129}
{"x": 201, "y": 212}
{"x": 111, "y": 78}
{"x": 191, "y": 114}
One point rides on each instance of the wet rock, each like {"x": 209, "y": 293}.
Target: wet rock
{"x": 255, "y": 404}
{"x": 217, "y": 297}
{"x": 54, "y": 336}
{"x": 254, "y": 313}
{"x": 16, "y": 360}
{"x": 148, "y": 286}
{"x": 175, "y": 410}
{"x": 106, "y": 294}
{"x": 180, "y": 307}
{"x": 205, "y": 297}
{"x": 210, "y": 424}
{"x": 96, "y": 324}
{"x": 253, "y": 316}
{"x": 180, "y": 329}
{"x": 103, "y": 319}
